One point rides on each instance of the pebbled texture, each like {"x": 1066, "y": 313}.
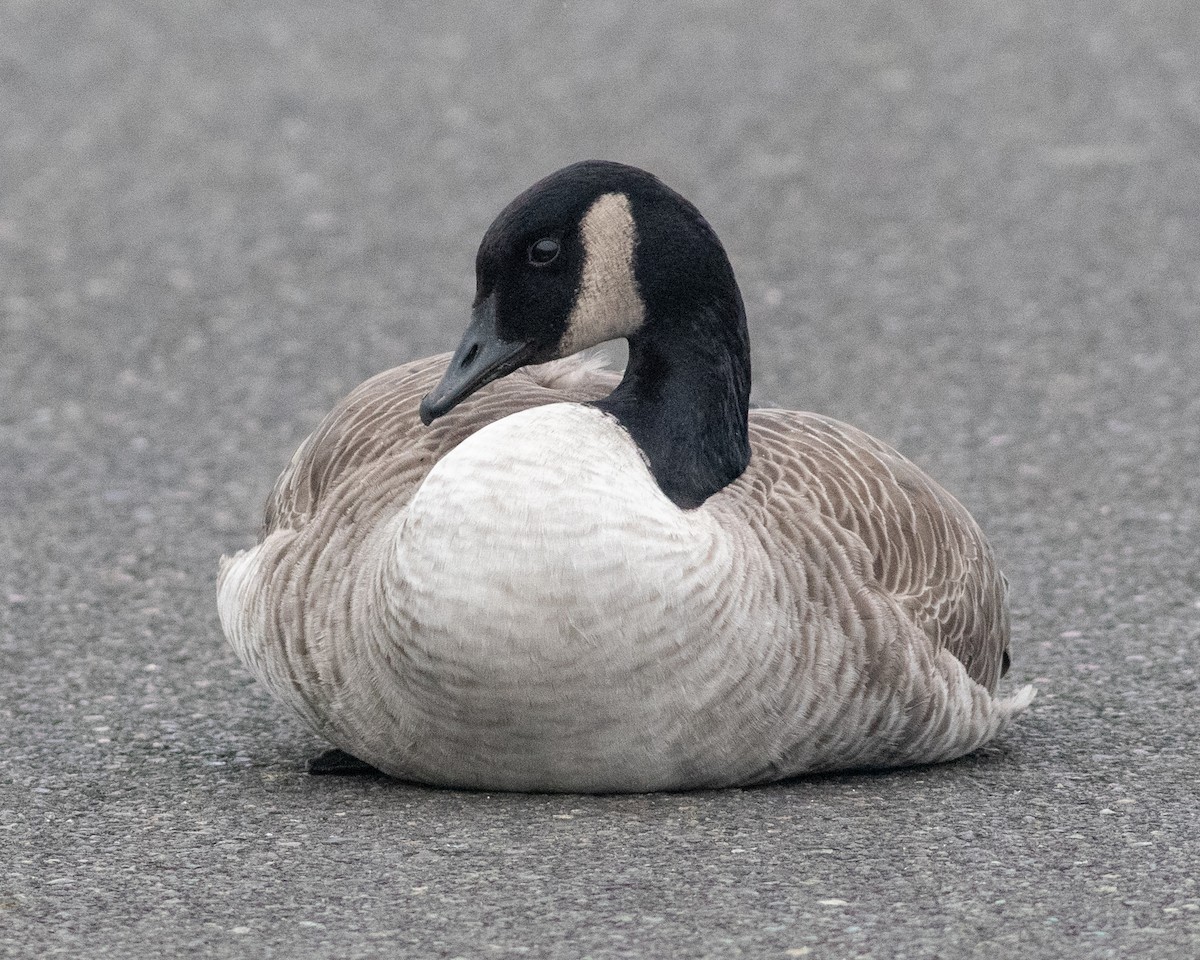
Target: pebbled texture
{"x": 966, "y": 228}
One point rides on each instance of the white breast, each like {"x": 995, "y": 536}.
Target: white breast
{"x": 545, "y": 580}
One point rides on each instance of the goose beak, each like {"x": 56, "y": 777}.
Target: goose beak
{"x": 481, "y": 358}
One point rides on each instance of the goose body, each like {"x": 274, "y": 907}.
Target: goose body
{"x": 546, "y": 590}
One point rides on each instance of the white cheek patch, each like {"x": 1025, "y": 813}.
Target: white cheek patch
{"x": 608, "y": 304}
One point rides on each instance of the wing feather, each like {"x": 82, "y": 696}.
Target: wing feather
{"x": 925, "y": 549}
{"x": 920, "y": 545}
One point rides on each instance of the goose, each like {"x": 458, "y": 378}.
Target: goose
{"x": 508, "y": 569}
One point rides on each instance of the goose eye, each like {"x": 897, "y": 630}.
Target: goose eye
{"x": 543, "y": 252}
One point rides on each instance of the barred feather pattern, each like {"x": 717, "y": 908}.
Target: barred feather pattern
{"x": 506, "y": 600}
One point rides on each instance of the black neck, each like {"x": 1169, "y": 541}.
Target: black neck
{"x": 685, "y": 398}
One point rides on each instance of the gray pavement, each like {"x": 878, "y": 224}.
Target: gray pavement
{"x": 973, "y": 229}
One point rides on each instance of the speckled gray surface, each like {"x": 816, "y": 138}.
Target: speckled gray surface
{"x": 971, "y": 228}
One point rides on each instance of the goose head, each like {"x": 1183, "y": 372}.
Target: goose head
{"x": 600, "y": 251}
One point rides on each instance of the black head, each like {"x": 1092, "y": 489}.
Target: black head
{"x": 594, "y": 252}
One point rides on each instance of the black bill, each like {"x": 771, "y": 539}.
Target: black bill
{"x": 481, "y": 357}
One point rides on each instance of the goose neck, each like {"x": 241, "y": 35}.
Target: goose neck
{"x": 685, "y": 399}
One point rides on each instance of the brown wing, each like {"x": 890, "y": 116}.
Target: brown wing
{"x": 376, "y": 437}
{"x": 925, "y": 548}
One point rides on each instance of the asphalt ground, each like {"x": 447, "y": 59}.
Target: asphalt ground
{"x": 972, "y": 229}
